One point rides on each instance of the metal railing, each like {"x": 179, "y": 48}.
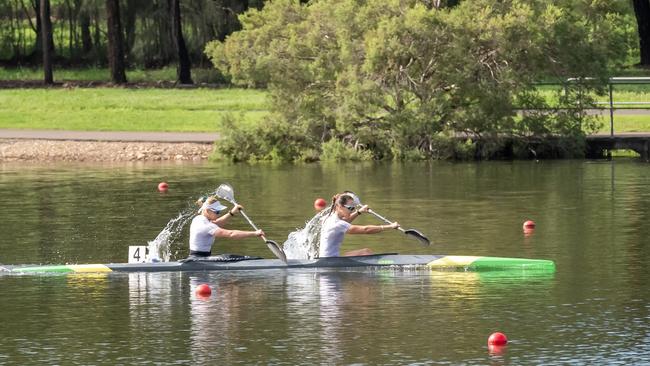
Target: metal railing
{"x": 611, "y": 103}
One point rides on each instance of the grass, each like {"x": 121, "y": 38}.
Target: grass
{"x": 150, "y": 109}
{"x": 190, "y": 110}
{"x": 199, "y": 75}
{"x": 624, "y": 154}
{"x": 637, "y": 123}
{"x": 118, "y": 109}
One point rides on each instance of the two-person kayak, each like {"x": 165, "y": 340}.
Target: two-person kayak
{"x": 232, "y": 263}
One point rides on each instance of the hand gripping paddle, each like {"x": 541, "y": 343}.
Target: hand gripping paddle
{"x": 226, "y": 192}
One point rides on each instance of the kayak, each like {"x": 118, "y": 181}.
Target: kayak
{"x": 231, "y": 263}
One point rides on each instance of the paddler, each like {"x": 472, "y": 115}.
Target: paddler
{"x": 339, "y": 222}
{"x": 208, "y": 225}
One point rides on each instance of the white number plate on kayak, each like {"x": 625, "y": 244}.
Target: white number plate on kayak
{"x": 138, "y": 254}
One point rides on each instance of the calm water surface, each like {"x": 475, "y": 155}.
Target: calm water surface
{"x": 591, "y": 220}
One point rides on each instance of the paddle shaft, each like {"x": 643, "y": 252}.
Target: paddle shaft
{"x": 411, "y": 232}
{"x": 380, "y": 217}
{"x": 249, "y": 221}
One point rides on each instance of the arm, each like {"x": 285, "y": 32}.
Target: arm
{"x": 236, "y": 234}
{"x": 224, "y": 218}
{"x": 370, "y": 229}
{"x": 358, "y": 213}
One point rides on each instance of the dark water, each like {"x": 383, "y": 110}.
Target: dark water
{"x": 591, "y": 220}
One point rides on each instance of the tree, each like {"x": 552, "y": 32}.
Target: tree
{"x": 391, "y": 77}
{"x": 642, "y": 12}
{"x": 46, "y": 33}
{"x": 183, "y": 70}
{"x": 115, "y": 42}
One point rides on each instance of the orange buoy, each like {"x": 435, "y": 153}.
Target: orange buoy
{"x": 320, "y": 204}
{"x": 163, "y": 186}
{"x": 203, "y": 290}
{"x": 497, "y": 339}
{"x": 529, "y": 224}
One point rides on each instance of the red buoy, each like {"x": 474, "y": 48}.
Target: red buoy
{"x": 163, "y": 186}
{"x": 529, "y": 224}
{"x": 497, "y": 339}
{"x": 203, "y": 290}
{"x": 320, "y": 204}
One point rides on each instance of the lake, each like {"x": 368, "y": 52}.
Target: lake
{"x": 591, "y": 220}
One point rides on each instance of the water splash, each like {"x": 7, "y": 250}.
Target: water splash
{"x": 304, "y": 243}
{"x": 160, "y": 247}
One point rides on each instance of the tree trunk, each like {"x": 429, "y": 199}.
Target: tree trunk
{"x": 86, "y": 39}
{"x": 46, "y": 31}
{"x": 97, "y": 36}
{"x": 37, "y": 52}
{"x": 129, "y": 27}
{"x": 183, "y": 71}
{"x": 115, "y": 42}
{"x": 642, "y": 12}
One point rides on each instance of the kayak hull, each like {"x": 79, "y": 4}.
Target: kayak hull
{"x": 433, "y": 262}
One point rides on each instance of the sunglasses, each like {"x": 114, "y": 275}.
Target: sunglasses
{"x": 350, "y": 208}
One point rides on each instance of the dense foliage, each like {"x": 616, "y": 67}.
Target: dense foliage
{"x": 80, "y": 34}
{"x": 398, "y": 79}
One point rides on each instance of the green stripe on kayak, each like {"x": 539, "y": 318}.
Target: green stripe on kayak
{"x": 69, "y": 268}
{"x": 471, "y": 263}
{"x": 44, "y": 269}
{"x": 497, "y": 263}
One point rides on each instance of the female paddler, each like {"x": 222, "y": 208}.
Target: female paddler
{"x": 208, "y": 225}
{"x": 339, "y": 222}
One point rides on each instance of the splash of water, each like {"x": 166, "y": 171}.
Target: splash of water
{"x": 160, "y": 247}
{"x": 304, "y": 243}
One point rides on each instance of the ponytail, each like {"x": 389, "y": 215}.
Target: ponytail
{"x": 334, "y": 197}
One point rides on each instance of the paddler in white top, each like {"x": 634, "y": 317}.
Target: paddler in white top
{"x": 339, "y": 222}
{"x": 207, "y": 225}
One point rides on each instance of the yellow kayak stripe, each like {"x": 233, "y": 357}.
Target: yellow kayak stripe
{"x": 452, "y": 261}
{"x": 84, "y": 268}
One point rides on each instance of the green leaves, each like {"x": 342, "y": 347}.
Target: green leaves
{"x": 389, "y": 78}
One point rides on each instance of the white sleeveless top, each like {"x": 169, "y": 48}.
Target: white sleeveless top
{"x": 331, "y": 236}
{"x": 202, "y": 234}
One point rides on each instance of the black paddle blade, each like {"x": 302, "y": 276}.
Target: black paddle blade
{"x": 419, "y": 236}
{"x": 275, "y": 248}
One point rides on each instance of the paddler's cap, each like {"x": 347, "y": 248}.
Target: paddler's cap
{"x": 355, "y": 199}
{"x": 215, "y": 206}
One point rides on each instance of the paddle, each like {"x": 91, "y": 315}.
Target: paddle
{"x": 412, "y": 232}
{"x": 227, "y": 193}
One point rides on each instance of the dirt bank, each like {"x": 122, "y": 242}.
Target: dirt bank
{"x": 100, "y": 151}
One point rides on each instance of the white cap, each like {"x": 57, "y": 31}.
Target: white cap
{"x": 214, "y": 206}
{"x": 355, "y": 199}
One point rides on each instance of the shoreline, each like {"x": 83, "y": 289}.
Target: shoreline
{"x": 43, "y": 150}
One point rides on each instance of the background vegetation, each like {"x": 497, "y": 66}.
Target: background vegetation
{"x": 80, "y": 31}
{"x": 345, "y": 79}
{"x": 391, "y": 79}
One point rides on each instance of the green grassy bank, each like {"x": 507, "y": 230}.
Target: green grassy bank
{"x": 118, "y": 109}
{"x": 152, "y": 109}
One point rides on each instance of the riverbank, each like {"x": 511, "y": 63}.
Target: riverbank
{"x": 19, "y": 150}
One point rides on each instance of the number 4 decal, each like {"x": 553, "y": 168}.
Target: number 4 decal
{"x": 138, "y": 254}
